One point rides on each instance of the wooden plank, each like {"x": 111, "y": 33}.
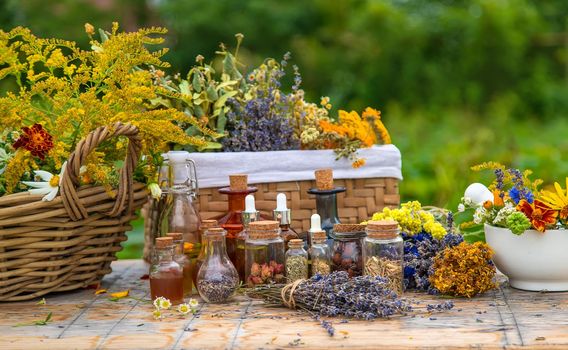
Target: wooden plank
{"x": 501, "y": 319}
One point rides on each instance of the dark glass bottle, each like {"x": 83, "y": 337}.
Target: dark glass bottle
{"x": 326, "y": 206}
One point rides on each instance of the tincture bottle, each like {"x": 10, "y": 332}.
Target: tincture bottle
{"x": 166, "y": 275}
{"x": 284, "y": 216}
{"x": 250, "y": 214}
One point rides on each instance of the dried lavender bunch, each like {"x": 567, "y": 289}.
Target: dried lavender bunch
{"x": 362, "y": 297}
{"x": 419, "y": 253}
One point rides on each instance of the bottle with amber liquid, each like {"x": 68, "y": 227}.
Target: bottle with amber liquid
{"x": 205, "y": 225}
{"x": 284, "y": 217}
{"x": 250, "y": 214}
{"x": 183, "y": 260}
{"x": 166, "y": 275}
{"x": 232, "y": 221}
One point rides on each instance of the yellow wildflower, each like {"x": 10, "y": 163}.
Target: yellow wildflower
{"x": 358, "y": 163}
{"x": 89, "y": 29}
{"x": 557, "y": 200}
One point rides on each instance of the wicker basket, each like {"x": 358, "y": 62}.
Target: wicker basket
{"x": 362, "y": 198}
{"x": 68, "y": 243}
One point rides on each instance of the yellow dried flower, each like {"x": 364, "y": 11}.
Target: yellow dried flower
{"x": 89, "y": 29}
{"x": 464, "y": 270}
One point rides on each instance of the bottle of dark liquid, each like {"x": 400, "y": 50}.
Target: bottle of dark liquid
{"x": 284, "y": 216}
{"x": 183, "y": 260}
{"x": 326, "y": 200}
{"x": 232, "y": 221}
{"x": 166, "y": 275}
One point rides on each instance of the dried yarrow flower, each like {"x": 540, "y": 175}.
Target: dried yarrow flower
{"x": 464, "y": 270}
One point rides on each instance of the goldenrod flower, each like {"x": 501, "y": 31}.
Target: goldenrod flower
{"x": 358, "y": 163}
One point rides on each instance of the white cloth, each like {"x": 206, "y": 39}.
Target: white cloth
{"x": 213, "y": 169}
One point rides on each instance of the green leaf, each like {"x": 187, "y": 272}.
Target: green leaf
{"x": 211, "y": 93}
{"x": 473, "y": 237}
{"x": 221, "y": 121}
{"x": 196, "y": 82}
{"x": 223, "y": 99}
{"x": 184, "y": 87}
{"x": 210, "y": 146}
{"x": 198, "y": 111}
{"x": 465, "y": 216}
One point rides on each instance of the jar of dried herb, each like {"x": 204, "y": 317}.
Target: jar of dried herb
{"x": 296, "y": 261}
{"x": 320, "y": 254}
{"x": 347, "y": 251}
{"x": 383, "y": 253}
{"x": 264, "y": 254}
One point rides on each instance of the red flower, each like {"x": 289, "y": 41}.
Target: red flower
{"x": 540, "y": 214}
{"x": 36, "y": 140}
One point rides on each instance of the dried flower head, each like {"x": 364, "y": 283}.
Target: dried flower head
{"x": 464, "y": 270}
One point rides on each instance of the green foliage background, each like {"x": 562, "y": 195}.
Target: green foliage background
{"x": 459, "y": 81}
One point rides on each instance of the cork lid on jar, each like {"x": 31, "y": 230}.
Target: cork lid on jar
{"x": 382, "y": 229}
{"x": 176, "y": 236}
{"x": 164, "y": 242}
{"x": 238, "y": 182}
{"x": 264, "y": 229}
{"x": 348, "y": 231}
{"x": 205, "y": 224}
{"x": 319, "y": 236}
{"x": 324, "y": 179}
{"x": 295, "y": 243}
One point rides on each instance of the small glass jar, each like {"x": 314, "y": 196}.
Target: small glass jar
{"x": 264, "y": 254}
{"x": 383, "y": 253}
{"x": 217, "y": 280}
{"x": 166, "y": 275}
{"x": 296, "y": 261}
{"x": 347, "y": 251}
{"x": 320, "y": 254}
{"x": 205, "y": 225}
{"x": 183, "y": 260}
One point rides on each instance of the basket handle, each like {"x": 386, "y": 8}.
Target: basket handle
{"x": 70, "y": 179}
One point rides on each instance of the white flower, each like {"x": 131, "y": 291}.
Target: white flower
{"x": 155, "y": 190}
{"x": 162, "y": 303}
{"x": 479, "y": 215}
{"x": 193, "y": 303}
{"x": 50, "y": 184}
{"x": 184, "y": 309}
{"x": 4, "y": 157}
{"x": 503, "y": 214}
{"x": 461, "y": 208}
{"x": 157, "y": 314}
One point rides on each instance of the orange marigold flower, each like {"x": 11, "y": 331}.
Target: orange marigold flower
{"x": 497, "y": 200}
{"x": 36, "y": 140}
{"x": 488, "y": 204}
{"x": 540, "y": 214}
{"x": 371, "y": 113}
{"x": 358, "y": 163}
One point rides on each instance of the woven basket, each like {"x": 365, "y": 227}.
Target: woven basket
{"x": 362, "y": 198}
{"x": 68, "y": 243}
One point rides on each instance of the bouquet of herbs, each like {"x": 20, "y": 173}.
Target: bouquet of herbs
{"x": 513, "y": 201}
{"x": 61, "y": 93}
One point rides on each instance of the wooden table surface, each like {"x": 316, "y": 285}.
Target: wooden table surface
{"x": 504, "y": 318}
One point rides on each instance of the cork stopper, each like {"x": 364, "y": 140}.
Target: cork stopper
{"x": 216, "y": 230}
{"x": 295, "y": 243}
{"x": 264, "y": 229}
{"x": 319, "y": 236}
{"x": 176, "y": 236}
{"x": 206, "y": 224}
{"x": 382, "y": 229}
{"x": 324, "y": 179}
{"x": 348, "y": 228}
{"x": 164, "y": 242}
{"x": 238, "y": 182}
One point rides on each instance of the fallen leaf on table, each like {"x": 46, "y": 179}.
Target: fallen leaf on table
{"x": 119, "y": 295}
{"x": 36, "y": 323}
{"x": 41, "y": 302}
{"x": 100, "y": 291}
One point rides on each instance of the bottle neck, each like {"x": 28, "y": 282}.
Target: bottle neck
{"x": 237, "y": 201}
{"x": 216, "y": 247}
{"x": 326, "y": 205}
{"x": 178, "y": 247}
{"x": 165, "y": 255}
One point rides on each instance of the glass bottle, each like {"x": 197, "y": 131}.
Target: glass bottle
{"x": 205, "y": 225}
{"x": 347, "y": 251}
{"x": 264, "y": 254}
{"x": 383, "y": 253}
{"x": 296, "y": 261}
{"x": 217, "y": 280}
{"x": 183, "y": 260}
{"x": 232, "y": 220}
{"x": 320, "y": 254}
{"x": 250, "y": 214}
{"x": 326, "y": 207}
{"x": 284, "y": 216}
{"x": 166, "y": 275}
{"x": 180, "y": 213}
